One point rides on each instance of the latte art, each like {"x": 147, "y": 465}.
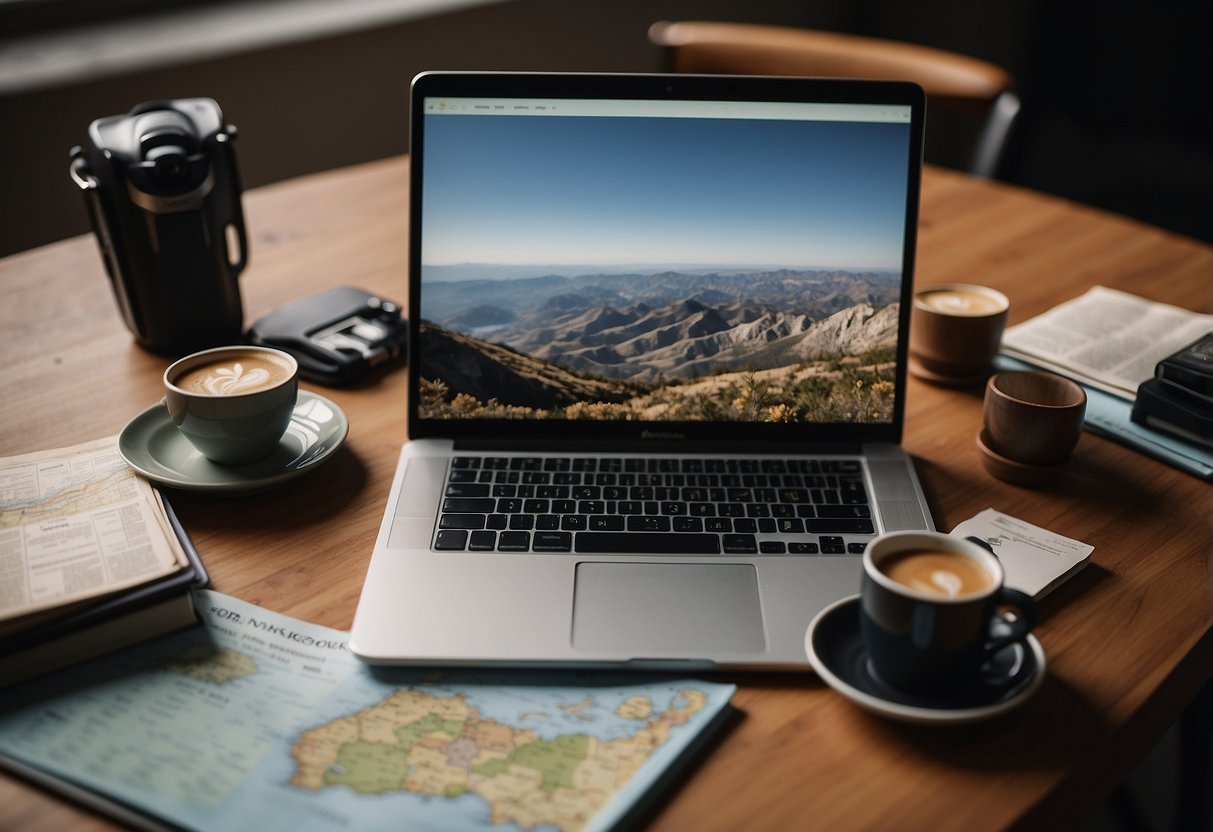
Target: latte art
{"x": 228, "y": 380}
{"x": 938, "y": 582}
{"x": 233, "y": 375}
{"x": 941, "y": 574}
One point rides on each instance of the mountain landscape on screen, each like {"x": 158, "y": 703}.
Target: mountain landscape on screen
{"x": 684, "y": 345}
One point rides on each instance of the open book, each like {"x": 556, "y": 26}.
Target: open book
{"x": 94, "y": 559}
{"x": 1107, "y": 339}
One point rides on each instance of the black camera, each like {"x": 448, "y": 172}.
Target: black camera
{"x": 1179, "y": 399}
{"x": 163, "y": 195}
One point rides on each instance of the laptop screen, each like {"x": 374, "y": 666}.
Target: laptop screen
{"x": 682, "y": 265}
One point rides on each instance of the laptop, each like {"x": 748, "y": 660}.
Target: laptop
{"x": 657, "y": 368}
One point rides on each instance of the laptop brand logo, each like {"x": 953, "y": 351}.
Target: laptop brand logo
{"x": 657, "y": 434}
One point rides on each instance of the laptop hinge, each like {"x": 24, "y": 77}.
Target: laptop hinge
{"x": 650, "y": 447}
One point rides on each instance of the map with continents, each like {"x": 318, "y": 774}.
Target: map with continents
{"x": 259, "y": 721}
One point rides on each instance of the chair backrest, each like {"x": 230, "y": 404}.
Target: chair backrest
{"x": 966, "y": 87}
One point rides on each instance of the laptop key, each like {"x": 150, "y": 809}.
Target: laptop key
{"x": 482, "y": 541}
{"x": 740, "y": 544}
{"x": 514, "y": 542}
{"x": 638, "y": 523}
{"x": 831, "y": 545}
{"x": 552, "y": 542}
{"x": 468, "y": 505}
{"x": 844, "y": 511}
{"x": 839, "y": 526}
{"x": 461, "y": 521}
{"x": 641, "y": 542}
{"x": 451, "y": 540}
{"x": 606, "y": 523}
{"x": 467, "y": 489}
{"x": 688, "y": 524}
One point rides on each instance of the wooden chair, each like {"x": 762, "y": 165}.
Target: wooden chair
{"x": 971, "y": 102}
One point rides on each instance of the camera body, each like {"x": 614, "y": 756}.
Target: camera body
{"x": 1179, "y": 399}
{"x": 163, "y": 194}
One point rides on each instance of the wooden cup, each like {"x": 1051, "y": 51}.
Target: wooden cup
{"x": 955, "y": 331}
{"x": 1034, "y": 418}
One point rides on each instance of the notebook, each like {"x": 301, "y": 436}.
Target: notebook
{"x": 657, "y": 368}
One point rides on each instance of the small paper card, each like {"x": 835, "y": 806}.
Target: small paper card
{"x": 1036, "y": 560}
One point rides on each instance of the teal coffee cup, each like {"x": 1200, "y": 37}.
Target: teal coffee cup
{"x": 233, "y": 403}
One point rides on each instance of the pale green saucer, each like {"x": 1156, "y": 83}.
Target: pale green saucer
{"x": 151, "y": 444}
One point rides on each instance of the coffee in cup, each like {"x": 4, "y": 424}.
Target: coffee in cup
{"x": 929, "y": 605}
{"x": 955, "y": 331}
{"x": 939, "y": 573}
{"x": 235, "y": 373}
{"x": 233, "y": 403}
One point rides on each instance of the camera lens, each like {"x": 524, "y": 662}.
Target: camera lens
{"x": 170, "y": 163}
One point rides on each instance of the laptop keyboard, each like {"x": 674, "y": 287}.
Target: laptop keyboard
{"x": 675, "y": 505}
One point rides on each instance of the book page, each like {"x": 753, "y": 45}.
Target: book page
{"x": 1108, "y": 339}
{"x": 75, "y": 524}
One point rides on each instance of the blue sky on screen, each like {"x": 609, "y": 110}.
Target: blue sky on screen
{"x": 612, "y": 191}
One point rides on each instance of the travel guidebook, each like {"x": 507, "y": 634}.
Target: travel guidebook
{"x": 92, "y": 559}
{"x": 257, "y": 720}
{"x": 612, "y": 271}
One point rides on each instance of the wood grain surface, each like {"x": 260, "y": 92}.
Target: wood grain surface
{"x": 1128, "y": 639}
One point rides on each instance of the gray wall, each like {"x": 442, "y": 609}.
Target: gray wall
{"x": 1118, "y": 106}
{"x": 320, "y": 103}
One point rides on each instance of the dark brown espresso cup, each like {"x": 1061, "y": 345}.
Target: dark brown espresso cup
{"x": 929, "y": 605}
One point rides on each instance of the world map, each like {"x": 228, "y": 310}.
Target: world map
{"x": 257, "y": 720}
{"x": 416, "y": 742}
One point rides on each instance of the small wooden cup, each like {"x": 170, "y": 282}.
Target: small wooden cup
{"x": 1033, "y": 418}
{"x": 955, "y": 332}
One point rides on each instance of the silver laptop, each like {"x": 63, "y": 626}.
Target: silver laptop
{"x": 657, "y": 368}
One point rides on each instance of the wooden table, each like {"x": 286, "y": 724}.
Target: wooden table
{"x": 1128, "y": 640}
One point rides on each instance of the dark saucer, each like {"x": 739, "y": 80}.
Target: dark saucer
{"x": 837, "y": 652}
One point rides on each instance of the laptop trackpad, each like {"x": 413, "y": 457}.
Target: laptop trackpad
{"x": 652, "y": 610}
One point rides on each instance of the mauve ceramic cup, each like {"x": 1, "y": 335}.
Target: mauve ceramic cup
{"x": 1033, "y": 417}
